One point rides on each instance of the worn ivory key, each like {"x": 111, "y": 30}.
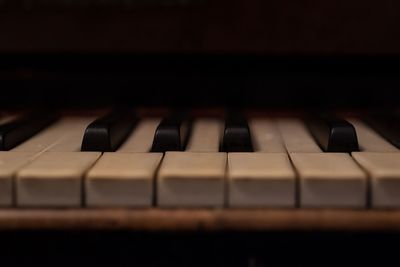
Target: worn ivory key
{"x": 189, "y": 179}
{"x": 369, "y": 140}
{"x": 266, "y": 136}
{"x": 206, "y": 136}
{"x": 260, "y": 179}
{"x": 64, "y": 135}
{"x": 141, "y": 138}
{"x": 296, "y": 137}
{"x": 13, "y": 161}
{"x": 54, "y": 179}
{"x": 384, "y": 173}
{"x": 122, "y": 179}
{"x": 330, "y": 180}
{"x": 10, "y": 163}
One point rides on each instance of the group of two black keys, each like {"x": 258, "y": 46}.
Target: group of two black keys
{"x": 107, "y": 133}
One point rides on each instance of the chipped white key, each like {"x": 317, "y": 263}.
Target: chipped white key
{"x": 330, "y": 180}
{"x": 189, "y": 179}
{"x": 54, "y": 179}
{"x": 141, "y": 138}
{"x": 122, "y": 179}
{"x": 296, "y": 136}
{"x": 266, "y": 136}
{"x": 10, "y": 163}
{"x": 260, "y": 180}
{"x": 369, "y": 140}
{"x": 384, "y": 172}
{"x": 206, "y": 136}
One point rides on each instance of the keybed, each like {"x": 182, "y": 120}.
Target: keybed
{"x": 267, "y": 162}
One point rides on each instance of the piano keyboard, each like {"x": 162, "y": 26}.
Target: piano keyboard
{"x": 120, "y": 160}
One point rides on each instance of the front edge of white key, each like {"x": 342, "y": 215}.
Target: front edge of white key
{"x": 54, "y": 179}
{"x": 122, "y": 180}
{"x": 261, "y": 180}
{"x": 192, "y": 179}
{"x": 330, "y": 180}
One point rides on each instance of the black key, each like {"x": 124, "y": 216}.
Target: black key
{"x": 387, "y": 125}
{"x": 14, "y": 132}
{"x": 171, "y": 134}
{"x": 237, "y": 137}
{"x": 107, "y": 133}
{"x": 334, "y": 134}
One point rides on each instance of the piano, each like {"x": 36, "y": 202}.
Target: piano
{"x": 197, "y": 133}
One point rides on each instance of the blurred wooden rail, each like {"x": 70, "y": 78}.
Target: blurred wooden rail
{"x": 200, "y": 220}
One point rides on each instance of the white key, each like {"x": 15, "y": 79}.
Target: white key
{"x": 51, "y": 136}
{"x": 206, "y": 136}
{"x": 189, "y": 179}
{"x": 141, "y": 138}
{"x": 45, "y": 138}
{"x": 369, "y": 140}
{"x": 330, "y": 180}
{"x": 122, "y": 179}
{"x": 384, "y": 172}
{"x": 260, "y": 179}
{"x": 54, "y": 179}
{"x": 296, "y": 136}
{"x": 266, "y": 136}
{"x": 71, "y": 140}
{"x": 10, "y": 163}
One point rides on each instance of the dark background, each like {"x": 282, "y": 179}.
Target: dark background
{"x": 207, "y": 26}
{"x": 252, "y": 53}
{"x": 257, "y": 249}
{"x": 93, "y": 80}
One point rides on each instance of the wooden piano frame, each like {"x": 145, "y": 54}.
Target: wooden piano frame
{"x": 154, "y": 219}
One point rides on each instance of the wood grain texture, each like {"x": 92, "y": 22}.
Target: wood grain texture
{"x": 152, "y": 220}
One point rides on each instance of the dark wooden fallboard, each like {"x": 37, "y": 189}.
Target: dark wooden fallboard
{"x": 155, "y": 220}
